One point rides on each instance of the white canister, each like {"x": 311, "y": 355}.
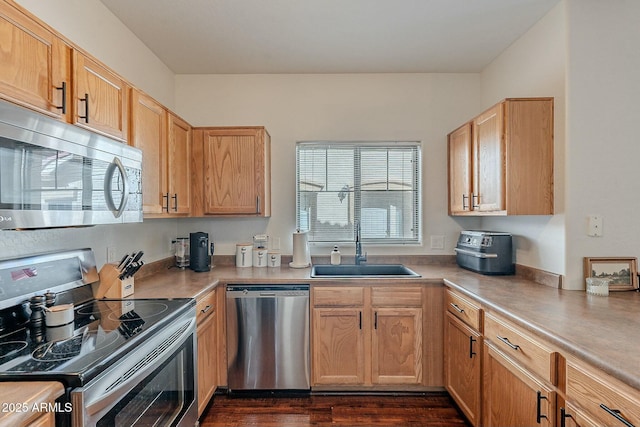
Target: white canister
{"x": 260, "y": 257}
{"x": 58, "y": 315}
{"x": 274, "y": 259}
{"x": 244, "y": 256}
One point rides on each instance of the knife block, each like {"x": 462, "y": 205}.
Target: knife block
{"x": 110, "y": 286}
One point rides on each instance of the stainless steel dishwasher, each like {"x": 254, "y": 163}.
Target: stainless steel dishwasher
{"x": 268, "y": 337}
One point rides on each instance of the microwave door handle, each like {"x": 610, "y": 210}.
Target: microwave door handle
{"x": 108, "y": 187}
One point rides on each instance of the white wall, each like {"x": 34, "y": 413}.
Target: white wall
{"x": 533, "y": 66}
{"x": 294, "y": 107}
{"x": 90, "y": 25}
{"x": 603, "y": 152}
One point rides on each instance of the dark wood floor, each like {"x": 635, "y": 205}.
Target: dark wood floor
{"x": 352, "y": 411}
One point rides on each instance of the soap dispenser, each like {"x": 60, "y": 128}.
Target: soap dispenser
{"x": 335, "y": 256}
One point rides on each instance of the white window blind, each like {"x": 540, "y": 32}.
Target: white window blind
{"x": 375, "y": 183}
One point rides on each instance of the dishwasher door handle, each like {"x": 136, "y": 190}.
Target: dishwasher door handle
{"x": 267, "y": 294}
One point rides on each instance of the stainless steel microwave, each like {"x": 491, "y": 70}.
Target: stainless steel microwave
{"x": 53, "y": 174}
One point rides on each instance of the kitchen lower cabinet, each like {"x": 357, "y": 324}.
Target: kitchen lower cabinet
{"x": 207, "y": 330}
{"x": 595, "y": 398}
{"x": 462, "y": 362}
{"x": 367, "y": 336}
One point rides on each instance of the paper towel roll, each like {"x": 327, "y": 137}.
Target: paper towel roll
{"x": 301, "y": 255}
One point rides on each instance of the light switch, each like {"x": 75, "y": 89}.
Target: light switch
{"x": 594, "y": 227}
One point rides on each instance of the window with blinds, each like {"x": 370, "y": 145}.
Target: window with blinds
{"x": 374, "y": 183}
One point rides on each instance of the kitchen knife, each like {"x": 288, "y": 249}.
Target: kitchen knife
{"x": 127, "y": 270}
{"x": 136, "y": 268}
{"x": 124, "y": 258}
{"x": 138, "y": 256}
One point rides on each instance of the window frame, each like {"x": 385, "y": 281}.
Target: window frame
{"x": 358, "y": 146}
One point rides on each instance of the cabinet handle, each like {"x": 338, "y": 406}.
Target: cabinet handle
{"x": 360, "y": 320}
{"x": 473, "y": 200}
{"x": 616, "y": 414}
{"x": 375, "y": 320}
{"x": 86, "y": 108}
{"x": 175, "y": 202}
{"x": 563, "y": 417}
{"x": 471, "y": 341}
{"x": 507, "y": 342}
{"x": 207, "y": 308}
{"x": 539, "y": 416}
{"x": 457, "y": 307}
{"x": 166, "y": 205}
{"x": 63, "y": 88}
{"x": 258, "y": 205}
{"x": 464, "y": 205}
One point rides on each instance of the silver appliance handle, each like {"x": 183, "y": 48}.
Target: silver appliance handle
{"x": 475, "y": 254}
{"x": 101, "y": 394}
{"x": 108, "y": 177}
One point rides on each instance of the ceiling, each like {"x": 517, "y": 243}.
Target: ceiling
{"x": 328, "y": 36}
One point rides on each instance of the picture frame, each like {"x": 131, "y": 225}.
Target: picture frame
{"x": 622, "y": 271}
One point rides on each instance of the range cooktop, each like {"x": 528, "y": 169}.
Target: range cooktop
{"x": 101, "y": 333}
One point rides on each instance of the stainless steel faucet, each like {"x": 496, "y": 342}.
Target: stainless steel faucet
{"x": 359, "y": 257}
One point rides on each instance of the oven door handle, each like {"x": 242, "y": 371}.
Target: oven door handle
{"x": 475, "y": 254}
{"x": 102, "y": 393}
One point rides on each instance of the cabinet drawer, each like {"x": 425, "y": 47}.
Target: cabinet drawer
{"x": 334, "y": 296}
{"x": 522, "y": 346}
{"x": 205, "y": 305}
{"x": 592, "y": 391}
{"x": 396, "y": 297}
{"x": 465, "y": 310}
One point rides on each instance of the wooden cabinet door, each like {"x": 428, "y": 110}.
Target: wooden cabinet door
{"x": 207, "y": 363}
{"x": 233, "y": 169}
{"x": 149, "y": 133}
{"x": 512, "y": 396}
{"x": 179, "y": 166}
{"x": 100, "y": 98}
{"x": 489, "y": 160}
{"x": 462, "y": 355}
{"x": 573, "y": 417}
{"x": 397, "y": 346}
{"x": 35, "y": 65}
{"x": 338, "y": 346}
{"x": 460, "y": 170}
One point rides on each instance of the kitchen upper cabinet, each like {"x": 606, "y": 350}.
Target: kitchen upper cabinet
{"x": 100, "y": 98}
{"x": 36, "y": 65}
{"x": 206, "y": 318}
{"x": 149, "y": 134}
{"x": 232, "y": 171}
{"x": 460, "y": 169}
{"x": 165, "y": 141}
{"x": 179, "y": 166}
{"x": 463, "y": 354}
{"x": 501, "y": 163}
{"x": 367, "y": 336}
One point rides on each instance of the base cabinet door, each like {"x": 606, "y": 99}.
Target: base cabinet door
{"x": 462, "y": 363}
{"x": 338, "y": 346}
{"x": 396, "y": 343}
{"x": 207, "y": 350}
{"x": 512, "y": 396}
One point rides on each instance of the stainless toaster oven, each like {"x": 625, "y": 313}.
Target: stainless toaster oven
{"x": 485, "y": 252}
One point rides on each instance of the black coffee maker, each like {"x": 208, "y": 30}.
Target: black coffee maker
{"x": 199, "y": 255}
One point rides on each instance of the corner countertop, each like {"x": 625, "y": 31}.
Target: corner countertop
{"x": 602, "y": 331}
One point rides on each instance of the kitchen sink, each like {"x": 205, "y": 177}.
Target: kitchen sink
{"x": 362, "y": 270}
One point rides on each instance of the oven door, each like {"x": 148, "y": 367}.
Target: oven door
{"x": 155, "y": 384}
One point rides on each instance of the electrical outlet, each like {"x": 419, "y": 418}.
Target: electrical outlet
{"x": 437, "y": 242}
{"x": 594, "y": 228}
{"x": 111, "y": 254}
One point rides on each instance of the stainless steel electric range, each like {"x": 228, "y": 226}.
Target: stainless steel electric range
{"x": 122, "y": 362}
